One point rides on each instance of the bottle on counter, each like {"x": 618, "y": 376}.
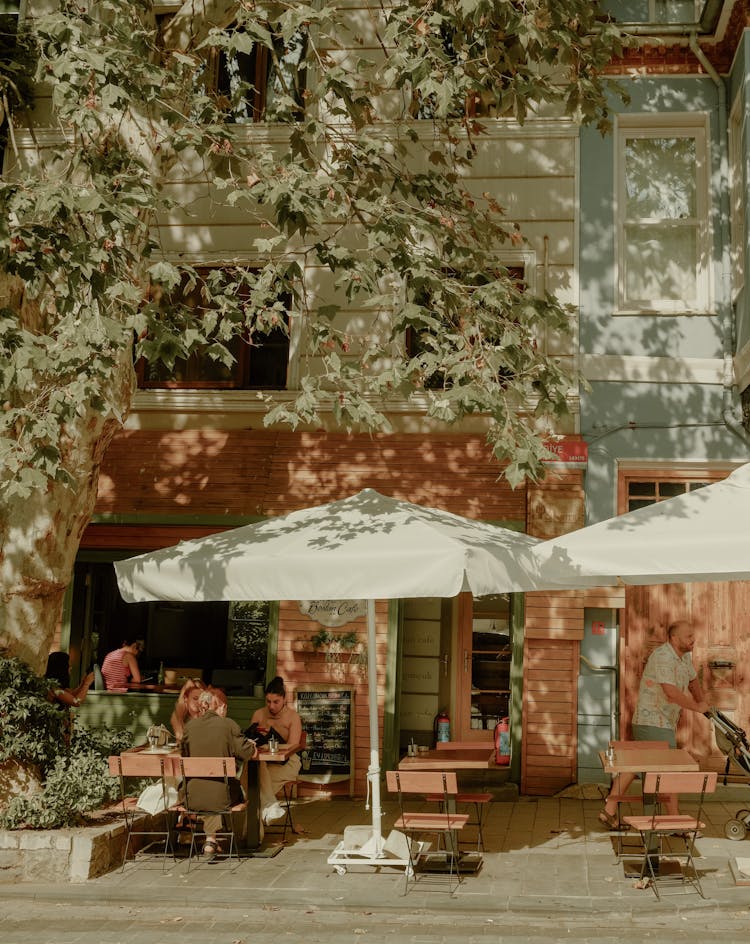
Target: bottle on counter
{"x": 160, "y": 676}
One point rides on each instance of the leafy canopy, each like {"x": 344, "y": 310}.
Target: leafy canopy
{"x": 347, "y": 183}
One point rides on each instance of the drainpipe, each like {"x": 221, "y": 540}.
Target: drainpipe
{"x": 730, "y": 413}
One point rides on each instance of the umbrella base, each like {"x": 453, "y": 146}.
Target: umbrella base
{"x": 358, "y": 847}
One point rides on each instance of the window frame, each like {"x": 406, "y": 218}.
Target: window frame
{"x": 737, "y": 195}
{"x": 522, "y": 260}
{"x": 241, "y": 378}
{"x": 678, "y": 125}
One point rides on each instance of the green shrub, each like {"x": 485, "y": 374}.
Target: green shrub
{"x": 72, "y": 761}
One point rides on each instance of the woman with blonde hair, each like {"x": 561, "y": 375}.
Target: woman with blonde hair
{"x": 186, "y": 706}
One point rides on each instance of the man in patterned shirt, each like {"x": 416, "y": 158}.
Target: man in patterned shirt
{"x": 668, "y": 685}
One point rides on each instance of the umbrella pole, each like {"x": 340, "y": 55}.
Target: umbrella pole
{"x": 373, "y": 771}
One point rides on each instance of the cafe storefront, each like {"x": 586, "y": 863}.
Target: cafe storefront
{"x": 478, "y": 660}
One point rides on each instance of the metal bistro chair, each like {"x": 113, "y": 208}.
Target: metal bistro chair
{"x": 288, "y": 792}
{"x": 480, "y": 801}
{"x": 215, "y": 768}
{"x": 672, "y": 835}
{"x": 445, "y": 825}
{"x": 159, "y": 767}
{"x": 623, "y": 849}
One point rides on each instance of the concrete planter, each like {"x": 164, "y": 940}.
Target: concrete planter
{"x": 67, "y": 855}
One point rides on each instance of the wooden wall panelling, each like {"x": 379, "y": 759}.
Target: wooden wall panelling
{"x": 549, "y": 735}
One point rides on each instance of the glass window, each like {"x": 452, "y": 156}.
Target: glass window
{"x": 737, "y": 195}
{"x": 256, "y": 83}
{"x": 259, "y": 360}
{"x": 663, "y": 219}
{"x": 490, "y": 656}
{"x": 419, "y": 342}
{"x": 641, "y": 493}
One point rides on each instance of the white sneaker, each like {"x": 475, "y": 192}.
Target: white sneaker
{"x": 273, "y": 811}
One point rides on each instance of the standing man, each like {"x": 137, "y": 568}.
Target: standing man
{"x": 668, "y": 685}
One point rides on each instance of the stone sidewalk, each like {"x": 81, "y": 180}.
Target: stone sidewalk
{"x": 541, "y": 855}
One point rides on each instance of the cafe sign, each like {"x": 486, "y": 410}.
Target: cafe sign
{"x": 333, "y": 612}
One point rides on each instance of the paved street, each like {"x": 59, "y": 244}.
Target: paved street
{"x": 549, "y": 875}
{"x": 48, "y": 922}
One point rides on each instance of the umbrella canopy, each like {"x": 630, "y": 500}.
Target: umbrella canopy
{"x": 702, "y": 535}
{"x": 368, "y": 546}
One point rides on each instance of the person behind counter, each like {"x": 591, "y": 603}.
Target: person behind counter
{"x": 288, "y": 726}
{"x": 212, "y": 734}
{"x": 121, "y": 665}
{"x": 186, "y": 706}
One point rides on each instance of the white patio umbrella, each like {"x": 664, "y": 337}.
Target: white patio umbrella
{"x": 702, "y": 535}
{"x": 368, "y": 546}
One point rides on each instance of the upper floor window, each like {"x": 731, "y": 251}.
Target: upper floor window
{"x": 421, "y": 343}
{"x": 663, "y": 249}
{"x": 258, "y": 83}
{"x": 259, "y": 359}
{"x": 737, "y": 193}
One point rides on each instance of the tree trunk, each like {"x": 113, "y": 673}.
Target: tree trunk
{"x": 40, "y": 535}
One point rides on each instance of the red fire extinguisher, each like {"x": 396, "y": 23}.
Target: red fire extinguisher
{"x": 442, "y": 727}
{"x": 502, "y": 742}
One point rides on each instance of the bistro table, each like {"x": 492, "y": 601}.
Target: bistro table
{"x": 249, "y": 777}
{"x": 646, "y": 760}
{"x": 479, "y": 758}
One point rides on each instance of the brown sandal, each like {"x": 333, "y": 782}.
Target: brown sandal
{"x": 608, "y": 820}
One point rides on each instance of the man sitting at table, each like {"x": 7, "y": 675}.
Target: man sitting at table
{"x": 669, "y": 684}
{"x": 212, "y": 734}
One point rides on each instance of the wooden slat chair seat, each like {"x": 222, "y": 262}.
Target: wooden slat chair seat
{"x": 670, "y": 834}
{"x": 215, "y": 768}
{"x": 157, "y": 767}
{"x": 411, "y": 787}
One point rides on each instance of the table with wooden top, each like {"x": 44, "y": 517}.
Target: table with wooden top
{"x": 479, "y": 758}
{"x": 249, "y": 778}
{"x": 648, "y": 760}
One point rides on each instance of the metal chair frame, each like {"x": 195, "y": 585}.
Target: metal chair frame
{"x": 413, "y": 786}
{"x": 672, "y": 835}
{"x": 139, "y": 764}
{"x": 215, "y": 768}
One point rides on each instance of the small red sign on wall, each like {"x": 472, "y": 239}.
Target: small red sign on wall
{"x": 598, "y": 629}
{"x": 572, "y": 453}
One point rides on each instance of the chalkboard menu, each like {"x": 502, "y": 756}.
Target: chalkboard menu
{"x": 328, "y": 721}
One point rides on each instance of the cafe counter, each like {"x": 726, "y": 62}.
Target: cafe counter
{"x": 136, "y": 711}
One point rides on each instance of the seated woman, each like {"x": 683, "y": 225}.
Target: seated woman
{"x": 58, "y": 670}
{"x": 186, "y": 706}
{"x": 288, "y": 725}
{"x": 212, "y": 734}
{"x": 121, "y": 665}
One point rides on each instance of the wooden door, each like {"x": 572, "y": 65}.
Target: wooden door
{"x": 483, "y": 670}
{"x": 721, "y": 614}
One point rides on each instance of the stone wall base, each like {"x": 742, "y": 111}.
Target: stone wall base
{"x": 67, "y": 855}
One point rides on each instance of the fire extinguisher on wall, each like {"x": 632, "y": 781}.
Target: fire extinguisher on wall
{"x": 442, "y": 727}
{"x": 502, "y": 742}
